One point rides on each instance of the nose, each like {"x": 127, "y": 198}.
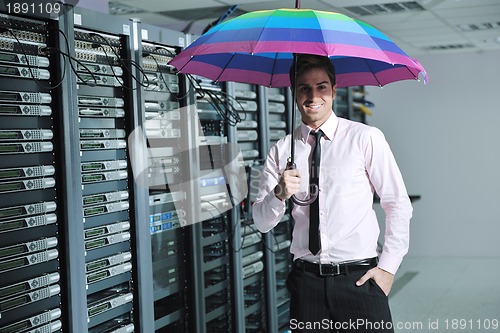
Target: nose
{"x": 311, "y": 94}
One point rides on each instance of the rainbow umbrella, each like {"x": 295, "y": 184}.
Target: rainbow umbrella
{"x": 259, "y": 48}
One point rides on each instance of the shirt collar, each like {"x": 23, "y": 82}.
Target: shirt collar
{"x": 328, "y": 127}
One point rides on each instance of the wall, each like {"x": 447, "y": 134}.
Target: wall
{"x": 446, "y": 138}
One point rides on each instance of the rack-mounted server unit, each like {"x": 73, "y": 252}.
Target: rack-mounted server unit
{"x": 102, "y": 71}
{"x": 212, "y": 233}
{"x": 30, "y": 242}
{"x": 163, "y": 97}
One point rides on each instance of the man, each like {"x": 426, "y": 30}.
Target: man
{"x": 340, "y": 284}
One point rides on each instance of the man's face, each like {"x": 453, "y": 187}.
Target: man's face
{"x": 315, "y": 96}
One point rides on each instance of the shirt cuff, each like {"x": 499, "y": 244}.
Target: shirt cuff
{"x": 275, "y": 202}
{"x": 389, "y": 263}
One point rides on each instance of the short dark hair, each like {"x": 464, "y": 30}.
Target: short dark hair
{"x": 308, "y": 61}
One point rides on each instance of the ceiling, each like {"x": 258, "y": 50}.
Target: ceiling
{"x": 418, "y": 27}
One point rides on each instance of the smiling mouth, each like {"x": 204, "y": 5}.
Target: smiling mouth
{"x": 314, "y": 106}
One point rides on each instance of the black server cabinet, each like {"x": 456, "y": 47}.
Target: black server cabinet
{"x": 277, "y": 114}
{"x": 279, "y": 106}
{"x": 247, "y": 129}
{"x": 164, "y": 99}
{"x": 212, "y": 278}
{"x": 31, "y": 279}
{"x": 103, "y": 76}
{"x": 251, "y": 248}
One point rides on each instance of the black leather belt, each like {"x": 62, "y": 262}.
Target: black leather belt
{"x": 335, "y": 269}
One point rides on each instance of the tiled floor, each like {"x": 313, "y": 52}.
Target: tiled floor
{"x": 447, "y": 295}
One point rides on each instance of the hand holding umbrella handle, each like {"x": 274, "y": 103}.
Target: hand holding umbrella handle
{"x": 313, "y": 190}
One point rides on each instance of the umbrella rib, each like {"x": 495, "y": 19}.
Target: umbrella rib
{"x": 185, "y": 64}
{"x": 261, "y": 32}
{"x": 415, "y": 77}
{"x": 225, "y": 66}
{"x": 326, "y": 48}
{"x": 374, "y": 73}
{"x": 272, "y": 70}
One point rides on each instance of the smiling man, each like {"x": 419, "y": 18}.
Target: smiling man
{"x": 337, "y": 277}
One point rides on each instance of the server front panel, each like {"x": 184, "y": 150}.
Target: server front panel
{"x": 30, "y": 243}
{"x": 106, "y": 202}
{"x": 215, "y": 202}
{"x": 162, "y": 100}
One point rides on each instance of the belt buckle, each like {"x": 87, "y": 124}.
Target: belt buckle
{"x": 329, "y": 269}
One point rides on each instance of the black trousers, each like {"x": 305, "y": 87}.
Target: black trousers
{"x": 336, "y": 304}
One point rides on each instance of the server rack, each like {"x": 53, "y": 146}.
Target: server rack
{"x": 167, "y": 129}
{"x": 283, "y": 262}
{"x": 105, "y": 105}
{"x": 250, "y": 249}
{"x": 247, "y": 129}
{"x": 31, "y": 279}
{"x": 279, "y": 106}
{"x": 351, "y": 104}
{"x": 359, "y": 104}
{"x": 210, "y": 242}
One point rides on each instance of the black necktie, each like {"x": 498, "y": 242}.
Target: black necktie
{"x": 314, "y": 239}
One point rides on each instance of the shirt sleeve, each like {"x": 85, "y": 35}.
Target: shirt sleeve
{"x": 387, "y": 181}
{"x": 267, "y": 209}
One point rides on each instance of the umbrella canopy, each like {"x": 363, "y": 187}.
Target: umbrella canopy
{"x": 258, "y": 48}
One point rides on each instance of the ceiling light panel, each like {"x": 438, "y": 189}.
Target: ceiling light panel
{"x": 479, "y": 26}
{"x": 117, "y": 8}
{"x": 155, "y": 6}
{"x": 476, "y": 10}
{"x": 449, "y": 47}
{"x": 386, "y": 8}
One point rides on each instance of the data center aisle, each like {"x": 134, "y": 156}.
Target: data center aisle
{"x": 117, "y": 210}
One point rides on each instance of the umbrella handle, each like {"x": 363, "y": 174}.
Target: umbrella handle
{"x": 313, "y": 190}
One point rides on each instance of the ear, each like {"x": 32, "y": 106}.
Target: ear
{"x": 334, "y": 91}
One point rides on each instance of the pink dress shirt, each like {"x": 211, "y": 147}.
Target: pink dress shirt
{"x": 356, "y": 160}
